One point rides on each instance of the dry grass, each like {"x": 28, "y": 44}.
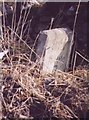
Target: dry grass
{"x": 63, "y": 94}
{"x": 27, "y": 92}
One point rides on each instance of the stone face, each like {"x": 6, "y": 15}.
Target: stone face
{"x": 54, "y": 49}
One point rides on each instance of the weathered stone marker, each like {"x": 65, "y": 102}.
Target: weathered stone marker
{"x": 54, "y": 48}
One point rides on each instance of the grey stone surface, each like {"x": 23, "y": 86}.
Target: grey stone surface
{"x": 54, "y": 49}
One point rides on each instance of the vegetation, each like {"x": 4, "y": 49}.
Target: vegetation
{"x": 27, "y": 92}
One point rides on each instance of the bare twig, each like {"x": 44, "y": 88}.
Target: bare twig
{"x": 82, "y": 56}
{"x": 74, "y": 26}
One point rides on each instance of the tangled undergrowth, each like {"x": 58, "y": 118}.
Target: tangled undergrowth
{"x": 29, "y": 93}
